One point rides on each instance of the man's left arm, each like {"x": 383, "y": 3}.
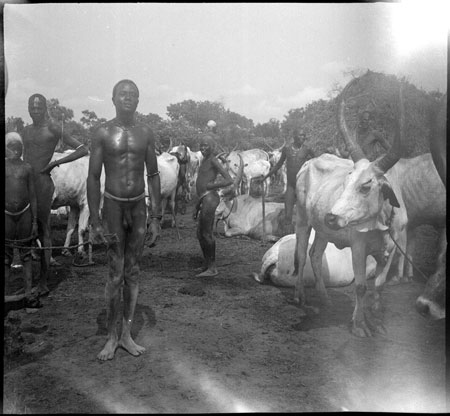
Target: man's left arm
{"x": 80, "y": 149}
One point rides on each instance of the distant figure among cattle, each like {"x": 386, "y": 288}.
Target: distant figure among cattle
{"x": 371, "y": 141}
{"x": 208, "y": 201}
{"x": 124, "y": 147}
{"x": 20, "y": 212}
{"x": 39, "y": 143}
{"x": 295, "y": 156}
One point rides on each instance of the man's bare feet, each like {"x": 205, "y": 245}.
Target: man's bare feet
{"x": 127, "y": 343}
{"x": 107, "y": 353}
{"x": 208, "y": 273}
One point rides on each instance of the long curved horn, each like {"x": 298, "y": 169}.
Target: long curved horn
{"x": 239, "y": 174}
{"x": 220, "y": 147}
{"x": 284, "y": 144}
{"x": 394, "y": 153}
{"x": 235, "y": 147}
{"x": 351, "y": 144}
{"x": 170, "y": 143}
{"x": 268, "y": 145}
{"x": 219, "y": 156}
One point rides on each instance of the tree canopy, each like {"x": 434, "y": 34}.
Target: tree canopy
{"x": 187, "y": 120}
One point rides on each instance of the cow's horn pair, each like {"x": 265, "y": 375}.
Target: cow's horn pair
{"x": 356, "y": 153}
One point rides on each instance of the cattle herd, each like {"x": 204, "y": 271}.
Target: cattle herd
{"x": 352, "y": 216}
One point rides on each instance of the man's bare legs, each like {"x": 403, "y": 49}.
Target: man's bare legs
{"x": 205, "y": 234}
{"x": 133, "y": 253}
{"x": 123, "y": 260}
{"x": 45, "y": 187}
{"x": 289, "y": 202}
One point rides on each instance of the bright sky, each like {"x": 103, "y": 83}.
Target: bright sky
{"x": 259, "y": 60}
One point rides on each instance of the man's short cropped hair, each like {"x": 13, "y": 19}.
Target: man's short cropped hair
{"x": 124, "y": 81}
{"x": 40, "y": 97}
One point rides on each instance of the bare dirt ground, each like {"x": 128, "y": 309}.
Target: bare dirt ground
{"x": 223, "y": 344}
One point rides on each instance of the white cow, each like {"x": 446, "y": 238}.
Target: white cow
{"x": 278, "y": 265}
{"x": 70, "y": 191}
{"x": 168, "y": 167}
{"x": 256, "y": 164}
{"x": 192, "y": 161}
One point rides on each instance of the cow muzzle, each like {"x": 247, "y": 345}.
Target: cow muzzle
{"x": 332, "y": 221}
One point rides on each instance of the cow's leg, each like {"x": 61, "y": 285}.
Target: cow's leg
{"x": 315, "y": 253}
{"x": 231, "y": 232}
{"x": 301, "y": 248}
{"x": 364, "y": 323}
{"x": 404, "y": 240}
{"x": 83, "y": 223}
{"x": 83, "y": 227}
{"x": 381, "y": 277}
{"x": 163, "y": 208}
{"x": 174, "y": 214}
{"x": 410, "y": 247}
{"x": 71, "y": 224}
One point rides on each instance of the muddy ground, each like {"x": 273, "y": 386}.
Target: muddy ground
{"x": 223, "y": 344}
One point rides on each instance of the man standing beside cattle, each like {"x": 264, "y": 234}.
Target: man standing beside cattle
{"x": 208, "y": 201}
{"x": 39, "y": 142}
{"x": 295, "y": 156}
{"x": 124, "y": 147}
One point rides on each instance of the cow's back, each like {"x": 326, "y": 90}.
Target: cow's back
{"x": 70, "y": 181}
{"x": 168, "y": 173}
{"x": 421, "y": 190}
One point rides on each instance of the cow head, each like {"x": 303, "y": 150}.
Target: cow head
{"x": 366, "y": 195}
{"x": 181, "y": 153}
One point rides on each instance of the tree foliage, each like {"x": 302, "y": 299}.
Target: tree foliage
{"x": 14, "y": 124}
{"x": 187, "y": 120}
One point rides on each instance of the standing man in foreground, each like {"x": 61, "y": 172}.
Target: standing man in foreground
{"x": 124, "y": 147}
{"x": 39, "y": 143}
{"x": 208, "y": 201}
{"x": 295, "y": 156}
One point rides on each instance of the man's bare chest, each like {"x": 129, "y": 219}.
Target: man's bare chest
{"x": 122, "y": 141}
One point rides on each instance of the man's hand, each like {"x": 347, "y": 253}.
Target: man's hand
{"x": 153, "y": 232}
{"x": 98, "y": 234}
{"x": 49, "y": 167}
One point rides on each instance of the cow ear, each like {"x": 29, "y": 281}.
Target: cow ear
{"x": 388, "y": 193}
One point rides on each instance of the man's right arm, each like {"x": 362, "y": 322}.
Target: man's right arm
{"x": 94, "y": 173}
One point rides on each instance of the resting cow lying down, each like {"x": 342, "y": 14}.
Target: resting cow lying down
{"x": 278, "y": 265}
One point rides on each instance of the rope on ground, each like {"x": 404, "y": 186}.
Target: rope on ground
{"x": 406, "y": 257}
{"x": 14, "y": 243}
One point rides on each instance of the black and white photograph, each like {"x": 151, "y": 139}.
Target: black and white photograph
{"x": 225, "y": 207}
